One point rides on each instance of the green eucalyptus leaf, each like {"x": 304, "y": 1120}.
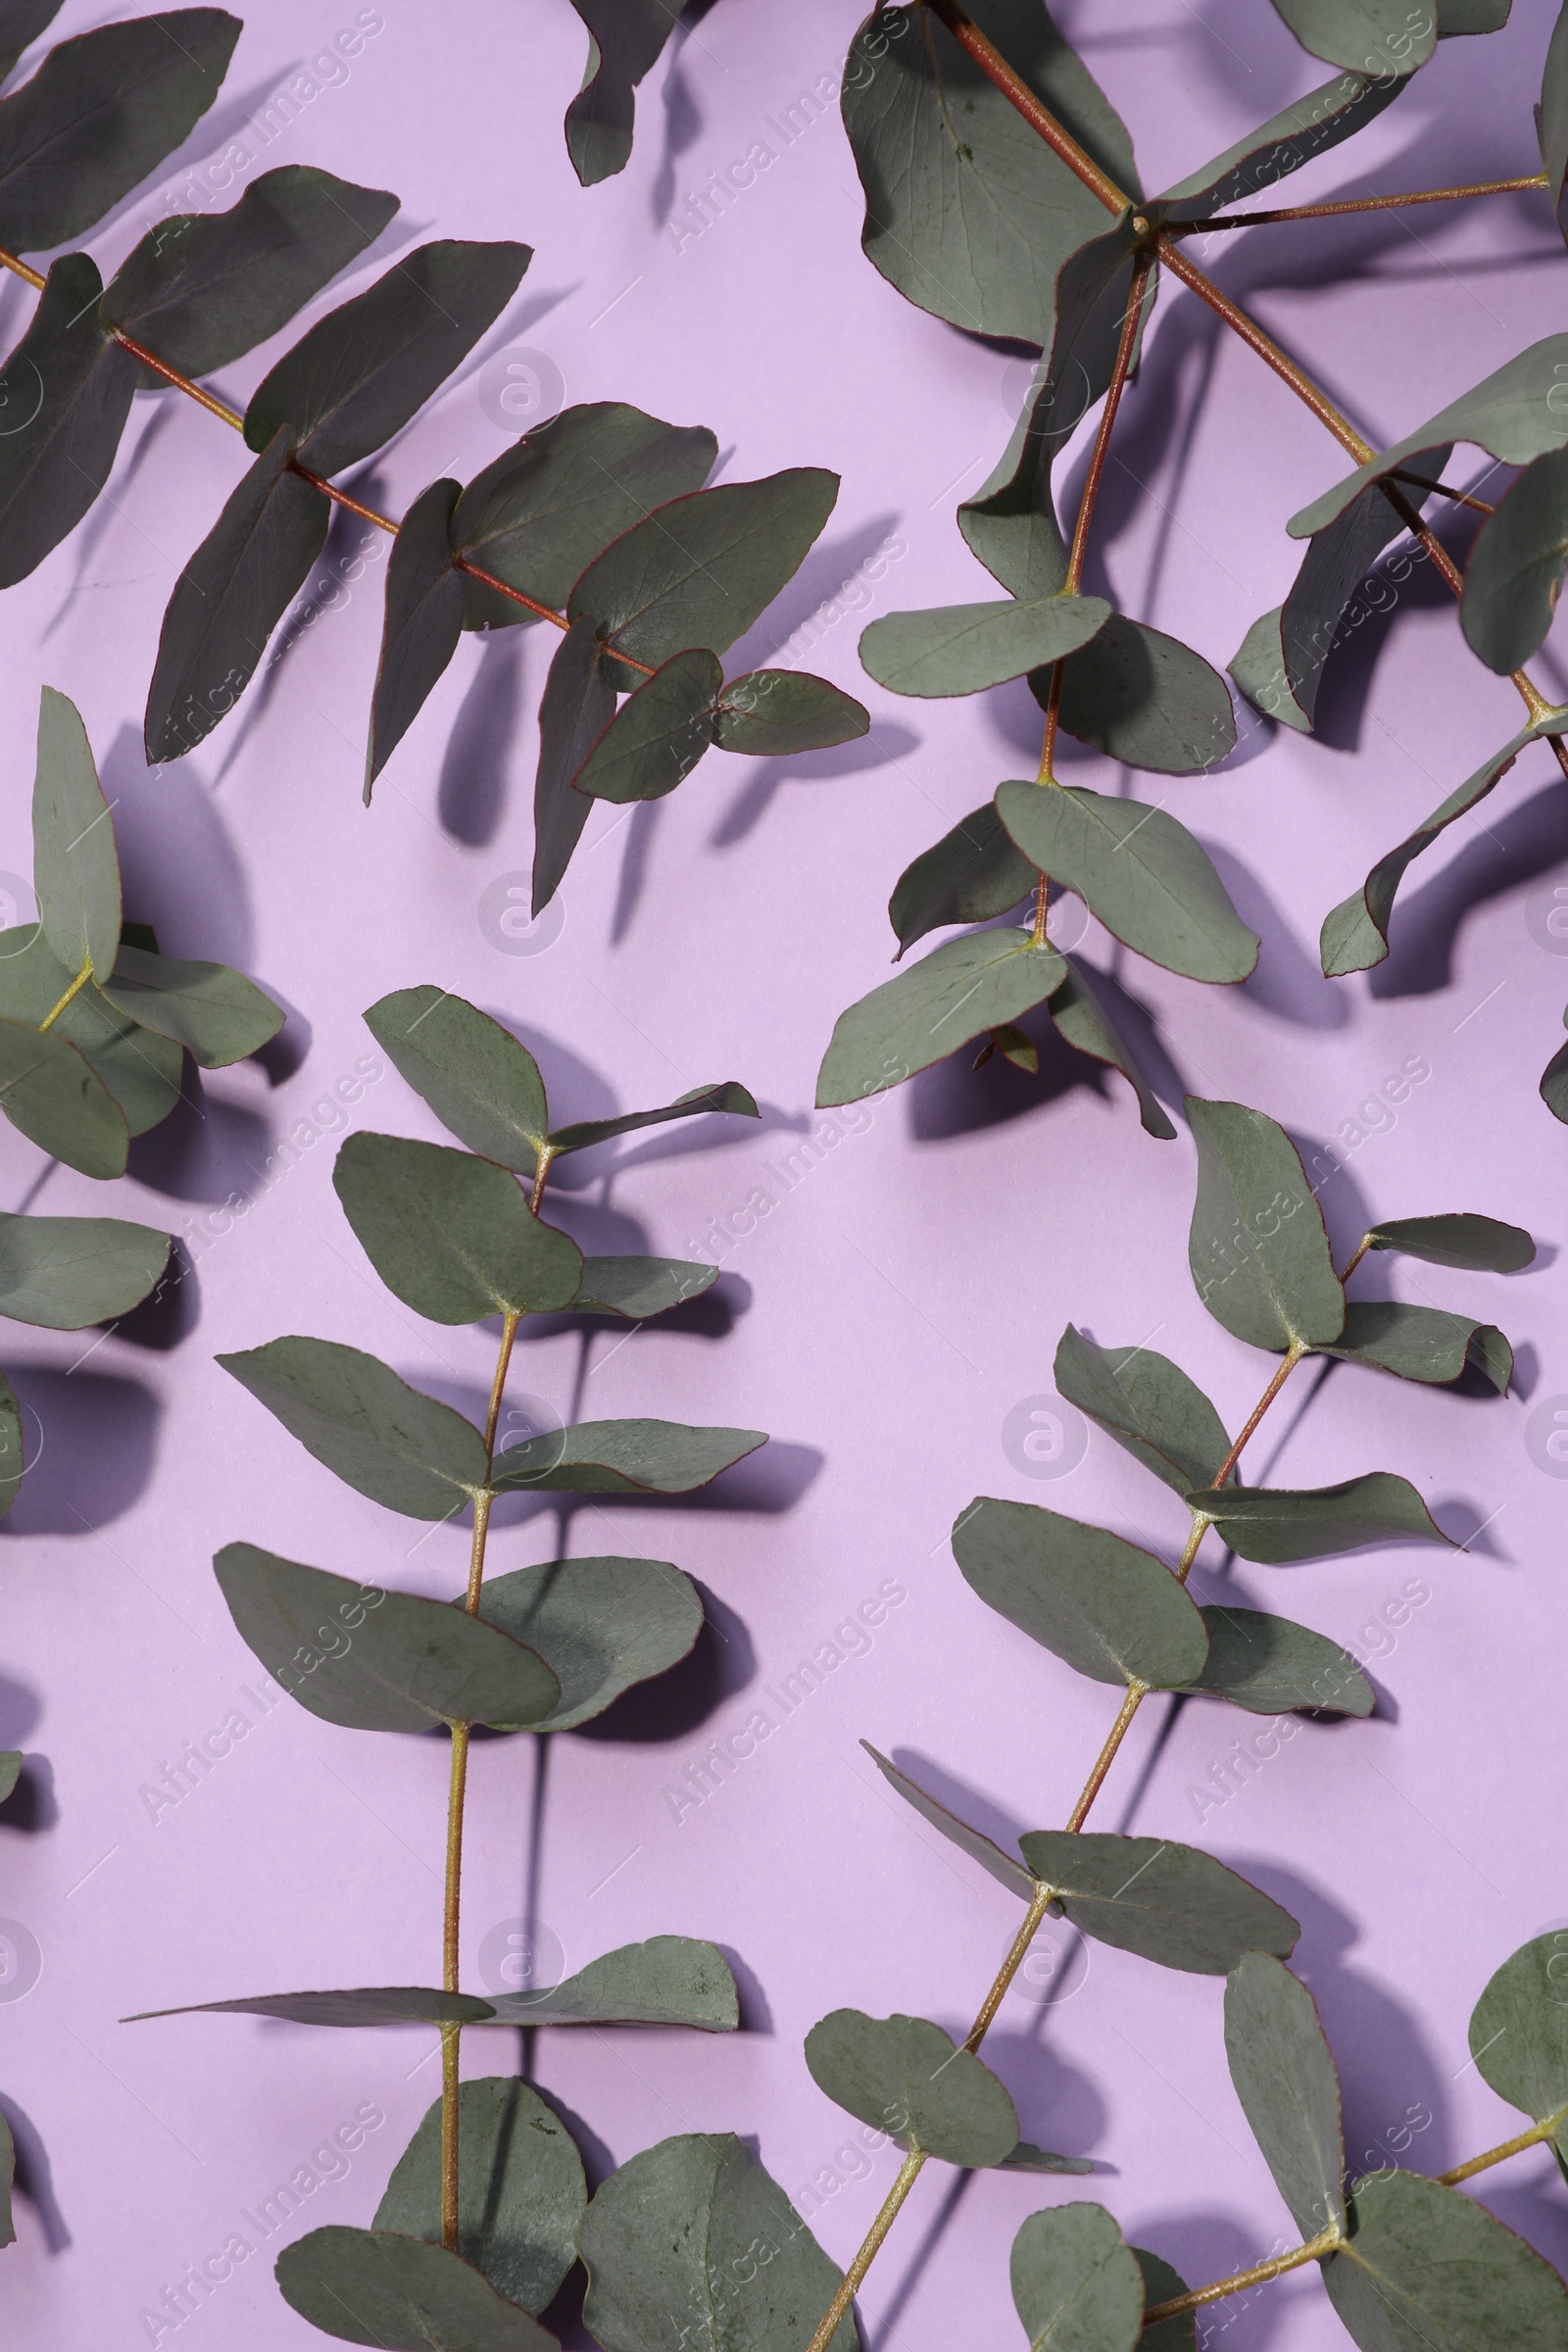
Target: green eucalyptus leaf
{"x": 55, "y": 1098}
{"x": 693, "y": 2244}
{"x": 1385, "y": 37}
{"x": 141, "y": 1070}
{"x": 75, "y": 870}
{"x": 1001, "y": 1865}
{"x": 1514, "y": 572}
{"x": 1422, "y": 1343}
{"x": 1168, "y": 1903}
{"x": 1471, "y": 16}
{"x": 100, "y": 113}
{"x": 599, "y": 1625}
{"x": 1303, "y": 130}
{"x": 1160, "y": 2286}
{"x": 913, "y": 2081}
{"x": 669, "y": 1981}
{"x": 12, "y": 1462}
{"x": 1551, "y": 121}
{"x": 451, "y": 1235}
{"x": 1145, "y": 699}
{"x": 625, "y": 39}
{"x": 971, "y": 875}
{"x": 229, "y": 598}
{"x": 403, "y": 2295}
{"x": 371, "y": 1428}
{"x": 958, "y": 991}
{"x": 361, "y": 2005}
{"x": 357, "y": 376}
{"x": 961, "y": 649}
{"x": 701, "y": 569}
{"x": 21, "y": 22}
{"x": 537, "y": 516}
{"x": 658, "y": 735}
{"x": 1027, "y": 2158}
{"x": 1356, "y": 934}
{"x": 63, "y": 1273}
{"x": 521, "y": 2193}
{"x": 215, "y": 1015}
{"x": 1078, "y": 1015}
{"x": 1111, "y": 1609}
{"x": 1519, "y": 2032}
{"x": 65, "y": 391}
{"x": 770, "y": 712}
{"x": 639, "y": 1288}
{"x": 379, "y": 1662}
{"x": 1280, "y": 1524}
{"x": 1148, "y": 1405}
{"x": 1289, "y": 2092}
{"x": 1426, "y": 2270}
{"x": 423, "y": 625}
{"x": 1481, "y": 1245}
{"x": 1015, "y": 1045}
{"x": 1076, "y": 2284}
{"x": 1258, "y": 1248}
{"x": 727, "y": 1096}
{"x": 1270, "y": 1665}
{"x": 967, "y": 210}
{"x": 482, "y": 1085}
{"x": 623, "y": 1457}
{"x": 201, "y": 288}
{"x": 1554, "y": 1084}
{"x": 578, "y": 706}
{"x": 10, "y": 1757}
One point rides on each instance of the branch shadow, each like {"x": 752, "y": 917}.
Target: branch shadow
{"x": 1429, "y": 921}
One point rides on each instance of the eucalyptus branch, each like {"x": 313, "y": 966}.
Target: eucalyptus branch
{"x": 1259, "y": 2274}
{"x": 1356, "y": 204}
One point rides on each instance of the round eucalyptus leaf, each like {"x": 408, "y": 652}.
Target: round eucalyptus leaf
{"x": 451, "y": 1235}
{"x": 1519, "y": 2029}
{"x": 1076, "y": 2284}
{"x": 520, "y": 2189}
{"x": 479, "y": 1081}
{"x": 1168, "y": 1903}
{"x": 600, "y": 1625}
{"x": 1111, "y": 1609}
{"x": 1257, "y": 1247}
{"x": 913, "y": 2081}
{"x": 1425, "y": 2265}
{"x": 401, "y": 2294}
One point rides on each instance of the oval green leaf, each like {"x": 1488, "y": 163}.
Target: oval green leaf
{"x": 1111, "y": 1610}
{"x": 1257, "y": 1247}
{"x": 521, "y": 2193}
{"x": 1168, "y": 1903}
{"x": 1278, "y": 1524}
{"x": 959, "y": 990}
{"x": 1269, "y": 1665}
{"x": 623, "y": 1457}
{"x": 217, "y": 1015}
{"x": 401, "y": 2294}
{"x": 600, "y": 1625}
{"x": 1481, "y": 1244}
{"x": 482, "y": 1085}
{"x": 961, "y": 649}
{"x": 1289, "y": 2092}
{"x": 1519, "y": 2031}
{"x": 1148, "y": 1405}
{"x": 371, "y": 1428}
{"x": 1422, "y": 1343}
{"x": 669, "y": 1981}
{"x": 75, "y": 871}
{"x": 63, "y": 1273}
{"x": 913, "y": 2081}
{"x": 1076, "y": 2284}
{"x": 1426, "y": 2267}
{"x": 451, "y": 1235}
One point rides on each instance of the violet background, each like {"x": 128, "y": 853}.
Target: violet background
{"x": 887, "y": 1315}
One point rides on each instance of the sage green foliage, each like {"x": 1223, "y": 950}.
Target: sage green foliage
{"x": 1481, "y": 1242}
{"x": 1077, "y": 2285}
{"x": 403, "y": 2295}
{"x": 1289, "y": 2092}
{"x": 1519, "y": 2032}
{"x": 1166, "y": 1902}
{"x": 13, "y": 1461}
{"x": 1111, "y": 1610}
{"x": 451, "y": 1235}
{"x": 973, "y": 874}
{"x": 1422, "y": 1343}
{"x": 600, "y": 1625}
{"x": 1257, "y": 1247}
{"x": 521, "y": 2184}
{"x": 369, "y": 1427}
{"x": 1424, "y": 2267}
{"x": 959, "y": 991}
{"x": 1148, "y": 1405}
{"x": 960, "y": 649}
{"x": 974, "y": 1842}
{"x": 912, "y": 2080}
{"x": 1278, "y": 1524}
{"x": 1268, "y": 1665}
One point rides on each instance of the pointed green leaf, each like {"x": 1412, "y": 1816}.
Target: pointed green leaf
{"x": 578, "y": 706}
{"x": 1422, "y": 1343}
{"x": 371, "y": 1428}
{"x": 1427, "y": 2269}
{"x": 1148, "y": 1405}
{"x": 401, "y": 2294}
{"x": 674, "y": 2243}
{"x": 1027, "y": 2158}
{"x": 57, "y": 1101}
{"x": 65, "y": 391}
{"x": 960, "y": 649}
{"x": 8, "y": 2174}
{"x": 967, "y": 210}
{"x": 915, "y": 2084}
{"x": 1138, "y": 870}
{"x": 1302, "y": 131}
{"x": 75, "y": 871}
{"x": 1484, "y": 1245}
{"x": 699, "y": 571}
{"x": 359, "y": 2005}
{"x": 1519, "y": 2031}
{"x": 1514, "y": 572}
{"x": 100, "y": 113}
{"x": 1289, "y": 2092}
{"x": 599, "y": 1625}
{"x": 63, "y": 1273}
{"x": 770, "y": 712}
{"x": 357, "y": 376}
{"x": 623, "y": 1457}
{"x": 669, "y": 1981}
{"x": 141, "y": 1070}
{"x": 1145, "y": 699}
{"x": 1258, "y": 1248}
{"x": 13, "y": 1452}
{"x": 521, "y": 2193}
{"x": 959, "y": 990}
{"x": 21, "y": 22}
{"x": 658, "y": 735}
{"x": 538, "y": 514}
{"x": 1078, "y": 1015}
{"x": 727, "y": 1096}
{"x": 1269, "y": 1665}
{"x": 639, "y": 1288}
{"x": 968, "y": 876}
{"x": 452, "y": 1236}
{"x": 423, "y": 625}
{"x": 1111, "y": 1609}
{"x": 974, "y": 1842}
{"x": 1386, "y": 36}
{"x": 1166, "y": 1902}
{"x": 625, "y": 38}
{"x": 379, "y": 1662}
{"x": 482, "y": 1085}
{"x": 1356, "y": 934}
{"x": 230, "y": 597}
{"x": 217, "y": 1015}
{"x": 1551, "y": 122}
{"x": 1077, "y": 2286}
{"x": 1280, "y": 1524}
{"x": 201, "y": 288}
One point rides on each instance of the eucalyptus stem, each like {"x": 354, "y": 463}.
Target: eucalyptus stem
{"x": 1510, "y": 2147}
{"x": 1357, "y": 204}
{"x": 1257, "y": 2275}
{"x": 74, "y": 989}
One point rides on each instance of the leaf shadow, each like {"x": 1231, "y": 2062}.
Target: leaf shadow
{"x": 680, "y": 129}
{"x": 471, "y": 791}
{"x": 884, "y": 745}
{"x": 1287, "y": 981}
{"x": 673, "y": 1705}
{"x": 31, "y": 1805}
{"x": 95, "y": 1454}
{"x": 21, "y": 1710}
{"x": 1495, "y": 855}
{"x": 830, "y": 570}
{"x": 171, "y": 835}
{"x": 882, "y": 2334}
{"x": 206, "y": 1150}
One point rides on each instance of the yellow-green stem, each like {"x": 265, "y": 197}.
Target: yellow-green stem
{"x": 1259, "y": 2274}
{"x": 832, "y": 2318}
{"x": 75, "y": 988}
{"x": 1510, "y": 2147}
